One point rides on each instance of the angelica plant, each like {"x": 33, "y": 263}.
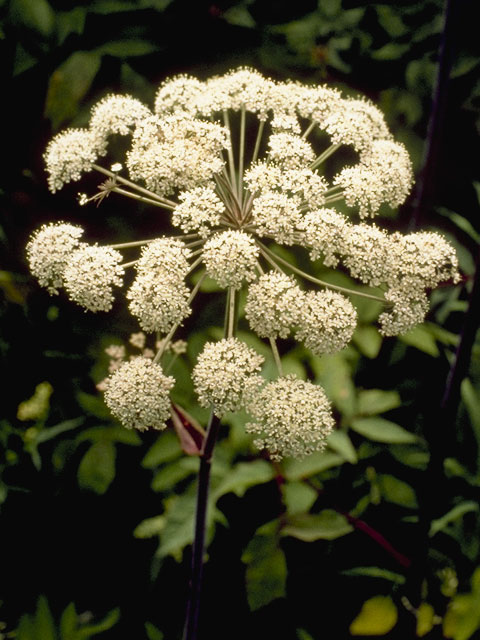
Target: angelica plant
{"x": 238, "y": 163}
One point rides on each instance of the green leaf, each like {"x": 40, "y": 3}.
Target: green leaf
{"x": 454, "y": 514}
{"x": 471, "y": 399}
{"x": 93, "y": 405}
{"x": 69, "y": 22}
{"x": 377, "y": 617}
{"x": 127, "y": 48}
{"x": 111, "y": 6}
{"x": 266, "y": 572}
{"x": 327, "y": 525}
{"x": 397, "y": 491}
{"x": 374, "y": 401}
{"x": 382, "y": 430}
{"x": 390, "y": 20}
{"x": 110, "y": 433}
{"x": 368, "y": 340}
{"x": 410, "y": 455}
{"x": 341, "y": 443}
{"x": 462, "y": 618}
{"x": 334, "y": 374}
{"x": 149, "y": 527}
{"x": 69, "y": 84}
{"x": 44, "y": 624}
{"x": 97, "y": 468}
{"x": 463, "y": 65}
{"x": 179, "y": 516}
{"x": 390, "y": 51}
{"x": 68, "y": 622}
{"x": 173, "y": 473}
{"x": 298, "y": 497}
{"x": 165, "y": 449}
{"x": 425, "y": 619}
{"x": 240, "y": 16}
{"x": 152, "y": 632}
{"x": 36, "y": 407}
{"x": 110, "y": 620}
{"x": 375, "y": 572}
{"x": 243, "y": 476}
{"x": 422, "y": 339}
{"x": 48, "y": 433}
{"x": 38, "y": 16}
{"x": 462, "y": 223}
{"x": 22, "y": 62}
{"x": 311, "y": 465}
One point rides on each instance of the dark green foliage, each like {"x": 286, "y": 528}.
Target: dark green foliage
{"x": 102, "y": 517}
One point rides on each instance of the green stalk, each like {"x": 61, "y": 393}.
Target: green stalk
{"x": 323, "y": 156}
{"x": 272, "y": 257}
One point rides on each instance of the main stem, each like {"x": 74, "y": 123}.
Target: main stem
{"x": 193, "y": 607}
{"x": 206, "y": 455}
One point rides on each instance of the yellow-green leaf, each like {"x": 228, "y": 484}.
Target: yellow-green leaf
{"x": 377, "y": 617}
{"x": 425, "y": 618}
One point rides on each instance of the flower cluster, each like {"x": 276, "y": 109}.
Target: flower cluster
{"x": 238, "y": 163}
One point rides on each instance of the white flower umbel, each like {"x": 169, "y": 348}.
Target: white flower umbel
{"x": 239, "y": 163}
{"x": 137, "y": 394}
{"x": 274, "y": 305}
{"x": 90, "y": 274}
{"x": 49, "y": 250}
{"x": 230, "y": 258}
{"x": 226, "y": 375}
{"x": 158, "y": 304}
{"x": 327, "y": 322}
{"x": 70, "y": 154}
{"x": 200, "y": 209}
{"x": 293, "y": 418}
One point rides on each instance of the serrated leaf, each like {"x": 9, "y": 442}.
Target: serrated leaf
{"x": 243, "y": 476}
{"x": 173, "y": 473}
{"x": 454, "y": 514}
{"x": 149, "y": 527}
{"x": 340, "y": 442}
{"x": 422, "y": 339}
{"x": 374, "y": 401}
{"x": 266, "y": 572}
{"x": 395, "y": 490}
{"x": 69, "y": 84}
{"x": 377, "y": 617}
{"x": 311, "y": 465}
{"x": 327, "y": 525}
{"x": 97, "y": 467}
{"x": 381, "y": 430}
{"x": 179, "y": 516}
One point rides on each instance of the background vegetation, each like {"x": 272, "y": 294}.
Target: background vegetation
{"x": 96, "y": 521}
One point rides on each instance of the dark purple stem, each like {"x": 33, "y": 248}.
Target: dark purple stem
{"x": 193, "y": 607}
